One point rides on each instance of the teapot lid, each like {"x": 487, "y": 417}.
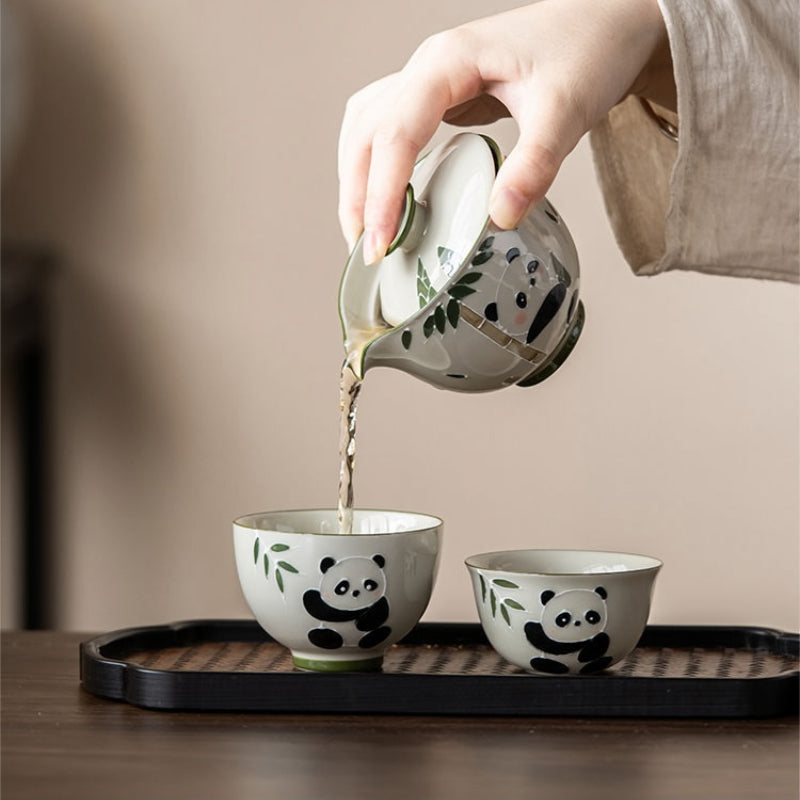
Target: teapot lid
{"x": 446, "y": 213}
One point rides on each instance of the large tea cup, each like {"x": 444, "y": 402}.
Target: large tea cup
{"x": 563, "y": 612}
{"x": 337, "y": 601}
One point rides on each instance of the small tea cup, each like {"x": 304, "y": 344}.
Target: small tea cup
{"x": 559, "y": 612}
{"x": 337, "y": 601}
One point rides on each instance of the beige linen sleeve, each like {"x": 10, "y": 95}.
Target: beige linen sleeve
{"x": 726, "y": 198}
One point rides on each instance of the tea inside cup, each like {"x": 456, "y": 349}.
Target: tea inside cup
{"x": 337, "y": 601}
{"x": 559, "y": 612}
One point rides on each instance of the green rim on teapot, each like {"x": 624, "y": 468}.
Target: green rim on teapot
{"x": 457, "y": 301}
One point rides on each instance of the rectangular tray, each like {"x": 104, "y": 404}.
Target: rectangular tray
{"x": 445, "y": 668}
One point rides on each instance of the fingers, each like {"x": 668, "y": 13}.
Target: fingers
{"x": 352, "y": 185}
{"x": 392, "y": 161}
{"x": 376, "y": 157}
{"x": 355, "y": 152}
{"x": 523, "y": 180}
{"x": 385, "y": 128}
{"x": 550, "y": 126}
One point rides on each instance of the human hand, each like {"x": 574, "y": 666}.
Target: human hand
{"x": 557, "y": 67}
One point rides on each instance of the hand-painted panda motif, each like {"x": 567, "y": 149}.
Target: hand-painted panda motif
{"x": 351, "y": 595}
{"x": 572, "y": 622}
{"x": 519, "y": 308}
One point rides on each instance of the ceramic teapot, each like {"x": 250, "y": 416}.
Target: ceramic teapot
{"x": 457, "y": 301}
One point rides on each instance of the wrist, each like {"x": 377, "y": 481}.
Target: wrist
{"x": 656, "y": 81}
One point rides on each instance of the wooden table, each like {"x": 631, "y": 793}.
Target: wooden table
{"x": 60, "y": 742}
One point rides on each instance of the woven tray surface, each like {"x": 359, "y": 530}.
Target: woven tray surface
{"x": 431, "y": 659}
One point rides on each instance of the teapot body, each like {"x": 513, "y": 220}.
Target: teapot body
{"x": 506, "y": 309}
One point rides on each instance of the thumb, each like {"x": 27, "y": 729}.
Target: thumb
{"x": 531, "y": 167}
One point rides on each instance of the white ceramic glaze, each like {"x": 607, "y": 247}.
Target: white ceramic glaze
{"x": 337, "y": 601}
{"x": 458, "y": 302}
{"x": 563, "y": 611}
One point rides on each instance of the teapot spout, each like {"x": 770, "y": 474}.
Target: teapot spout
{"x": 359, "y": 308}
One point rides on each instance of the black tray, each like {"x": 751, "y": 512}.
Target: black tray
{"x": 445, "y": 668}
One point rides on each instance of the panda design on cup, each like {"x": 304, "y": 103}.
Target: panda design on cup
{"x": 352, "y": 596}
{"x": 572, "y": 624}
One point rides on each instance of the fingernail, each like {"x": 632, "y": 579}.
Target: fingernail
{"x": 368, "y": 248}
{"x": 374, "y": 247}
{"x": 507, "y": 207}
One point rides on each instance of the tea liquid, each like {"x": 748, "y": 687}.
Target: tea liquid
{"x": 356, "y": 341}
{"x": 349, "y": 389}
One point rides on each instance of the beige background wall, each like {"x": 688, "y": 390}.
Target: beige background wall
{"x": 180, "y": 160}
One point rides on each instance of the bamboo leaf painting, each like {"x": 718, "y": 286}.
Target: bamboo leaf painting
{"x": 439, "y": 318}
{"x": 425, "y": 291}
{"x": 279, "y": 568}
{"x": 453, "y": 312}
{"x": 495, "y": 598}
{"x": 459, "y": 291}
{"x": 445, "y": 313}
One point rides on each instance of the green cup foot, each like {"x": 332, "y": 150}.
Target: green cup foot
{"x": 328, "y": 665}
